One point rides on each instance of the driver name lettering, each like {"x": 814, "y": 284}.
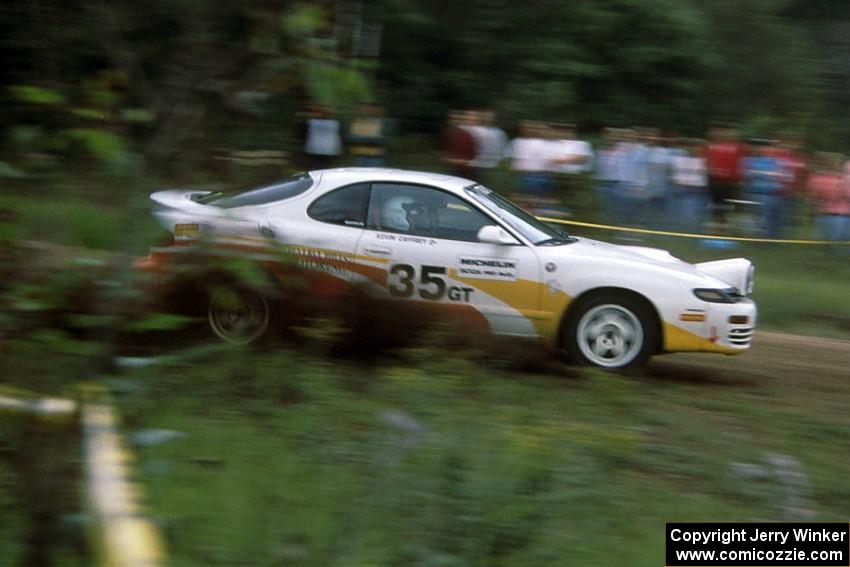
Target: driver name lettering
{"x": 405, "y": 238}
{"x": 414, "y": 239}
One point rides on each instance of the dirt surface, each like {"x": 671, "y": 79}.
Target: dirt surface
{"x": 773, "y": 356}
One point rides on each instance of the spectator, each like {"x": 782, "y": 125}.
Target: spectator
{"x": 570, "y": 157}
{"x": 723, "y": 156}
{"x": 368, "y": 136}
{"x": 829, "y": 187}
{"x": 458, "y": 145}
{"x": 658, "y": 173}
{"x": 322, "y": 143}
{"x": 794, "y": 182}
{"x": 765, "y": 176}
{"x": 690, "y": 187}
{"x": 530, "y": 163}
{"x": 635, "y": 176}
{"x": 607, "y": 173}
{"x": 491, "y": 145}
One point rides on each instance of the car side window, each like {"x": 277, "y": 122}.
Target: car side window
{"x": 345, "y": 206}
{"x": 423, "y": 211}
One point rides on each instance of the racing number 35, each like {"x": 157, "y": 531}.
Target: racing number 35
{"x": 432, "y": 284}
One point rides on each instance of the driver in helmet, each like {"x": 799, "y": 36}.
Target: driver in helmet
{"x": 408, "y": 214}
{"x": 421, "y": 218}
{"x": 393, "y": 215}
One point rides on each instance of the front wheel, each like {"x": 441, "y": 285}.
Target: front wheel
{"x": 238, "y": 316}
{"x": 611, "y": 331}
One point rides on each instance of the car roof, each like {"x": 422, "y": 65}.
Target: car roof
{"x": 345, "y": 175}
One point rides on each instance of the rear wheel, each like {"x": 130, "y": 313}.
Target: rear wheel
{"x": 238, "y": 315}
{"x": 611, "y": 331}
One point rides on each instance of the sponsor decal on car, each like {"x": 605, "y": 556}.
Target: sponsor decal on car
{"x": 186, "y": 229}
{"x": 484, "y": 268}
{"x": 321, "y": 260}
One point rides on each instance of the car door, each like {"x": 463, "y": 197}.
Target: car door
{"x": 427, "y": 239}
{"x": 321, "y": 238}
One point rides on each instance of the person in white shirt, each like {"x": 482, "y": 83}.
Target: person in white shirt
{"x": 532, "y": 161}
{"x": 690, "y": 187}
{"x": 530, "y": 164}
{"x": 573, "y": 156}
{"x": 322, "y": 144}
{"x": 569, "y": 159}
{"x": 528, "y": 151}
{"x": 491, "y": 143}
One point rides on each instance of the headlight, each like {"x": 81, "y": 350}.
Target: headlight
{"x": 751, "y": 273}
{"x": 717, "y": 295}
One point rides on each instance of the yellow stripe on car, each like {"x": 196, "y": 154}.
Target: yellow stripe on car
{"x": 677, "y": 339}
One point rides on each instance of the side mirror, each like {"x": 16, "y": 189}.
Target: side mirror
{"x": 493, "y": 234}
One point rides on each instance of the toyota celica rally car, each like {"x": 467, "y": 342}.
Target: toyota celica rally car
{"x": 458, "y": 247}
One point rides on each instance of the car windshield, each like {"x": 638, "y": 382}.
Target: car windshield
{"x": 262, "y": 195}
{"x": 538, "y": 232}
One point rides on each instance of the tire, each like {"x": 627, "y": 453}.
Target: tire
{"x": 614, "y": 331}
{"x": 238, "y": 315}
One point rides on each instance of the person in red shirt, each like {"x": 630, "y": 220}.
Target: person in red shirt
{"x": 723, "y": 155}
{"x": 829, "y": 187}
{"x": 458, "y": 145}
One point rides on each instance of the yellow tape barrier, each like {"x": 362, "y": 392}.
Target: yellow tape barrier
{"x": 46, "y": 408}
{"x": 124, "y": 537}
{"x": 700, "y": 236}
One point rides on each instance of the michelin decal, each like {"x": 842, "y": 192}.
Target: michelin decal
{"x": 484, "y": 268}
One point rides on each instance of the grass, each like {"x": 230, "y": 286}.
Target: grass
{"x": 436, "y": 459}
{"x": 40, "y": 502}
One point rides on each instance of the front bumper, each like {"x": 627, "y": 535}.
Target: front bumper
{"x": 727, "y": 328}
{"x": 732, "y": 325}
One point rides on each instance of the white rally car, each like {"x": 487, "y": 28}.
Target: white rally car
{"x": 457, "y": 246}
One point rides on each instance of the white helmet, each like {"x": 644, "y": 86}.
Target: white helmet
{"x": 394, "y": 213}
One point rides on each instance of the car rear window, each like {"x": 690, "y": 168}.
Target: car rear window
{"x": 262, "y": 195}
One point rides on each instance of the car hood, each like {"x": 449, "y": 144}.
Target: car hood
{"x": 641, "y": 254}
{"x": 724, "y": 273}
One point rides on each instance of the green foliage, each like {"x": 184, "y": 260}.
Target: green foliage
{"x": 39, "y": 495}
{"x": 9, "y": 171}
{"x": 37, "y": 95}
{"x": 304, "y": 20}
{"x": 334, "y": 85}
{"x": 106, "y": 147}
{"x": 763, "y": 59}
{"x": 666, "y": 63}
{"x": 158, "y": 322}
{"x": 669, "y": 64}
{"x": 582, "y": 61}
{"x": 25, "y": 136}
{"x": 88, "y": 113}
{"x": 137, "y": 115}
{"x": 12, "y": 521}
